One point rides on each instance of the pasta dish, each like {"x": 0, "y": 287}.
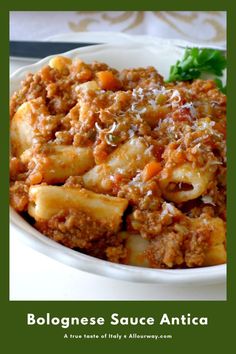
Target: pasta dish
{"x": 121, "y": 165}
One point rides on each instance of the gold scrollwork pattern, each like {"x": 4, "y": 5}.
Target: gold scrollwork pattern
{"x": 204, "y": 26}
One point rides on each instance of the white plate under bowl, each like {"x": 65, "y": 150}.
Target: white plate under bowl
{"x": 139, "y": 52}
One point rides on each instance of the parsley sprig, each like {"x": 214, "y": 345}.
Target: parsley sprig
{"x": 197, "y": 61}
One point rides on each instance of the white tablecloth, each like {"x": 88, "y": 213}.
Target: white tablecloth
{"x": 34, "y": 276}
{"x": 208, "y": 27}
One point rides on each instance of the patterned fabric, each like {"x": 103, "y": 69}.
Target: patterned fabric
{"x": 197, "y": 26}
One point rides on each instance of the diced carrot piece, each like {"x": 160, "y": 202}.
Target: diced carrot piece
{"x": 107, "y": 80}
{"x": 150, "y": 170}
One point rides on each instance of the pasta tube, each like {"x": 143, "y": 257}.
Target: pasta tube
{"x": 127, "y": 159}
{"x": 184, "y": 183}
{"x": 47, "y": 201}
{"x": 60, "y": 63}
{"x": 216, "y": 254}
{"x": 23, "y": 125}
{"x": 136, "y": 247}
{"x": 60, "y": 162}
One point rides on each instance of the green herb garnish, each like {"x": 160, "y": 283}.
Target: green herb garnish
{"x": 197, "y": 61}
{"x": 220, "y": 85}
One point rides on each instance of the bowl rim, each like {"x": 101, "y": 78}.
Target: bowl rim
{"x": 75, "y": 259}
{"x": 93, "y": 265}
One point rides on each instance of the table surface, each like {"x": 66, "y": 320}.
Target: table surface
{"x": 34, "y": 276}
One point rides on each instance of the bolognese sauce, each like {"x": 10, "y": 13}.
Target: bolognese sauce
{"x": 156, "y": 149}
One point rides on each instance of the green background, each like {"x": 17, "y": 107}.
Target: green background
{"x": 16, "y": 336}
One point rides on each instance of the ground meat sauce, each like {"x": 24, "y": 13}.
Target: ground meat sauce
{"x": 81, "y": 105}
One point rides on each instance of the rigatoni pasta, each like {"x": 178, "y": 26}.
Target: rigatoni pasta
{"x": 136, "y": 250}
{"x": 47, "y": 201}
{"x": 58, "y": 162}
{"x": 121, "y": 165}
{"x": 125, "y": 160}
{"x": 185, "y": 182}
{"x": 22, "y": 126}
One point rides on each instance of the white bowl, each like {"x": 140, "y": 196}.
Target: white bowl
{"x": 133, "y": 52}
